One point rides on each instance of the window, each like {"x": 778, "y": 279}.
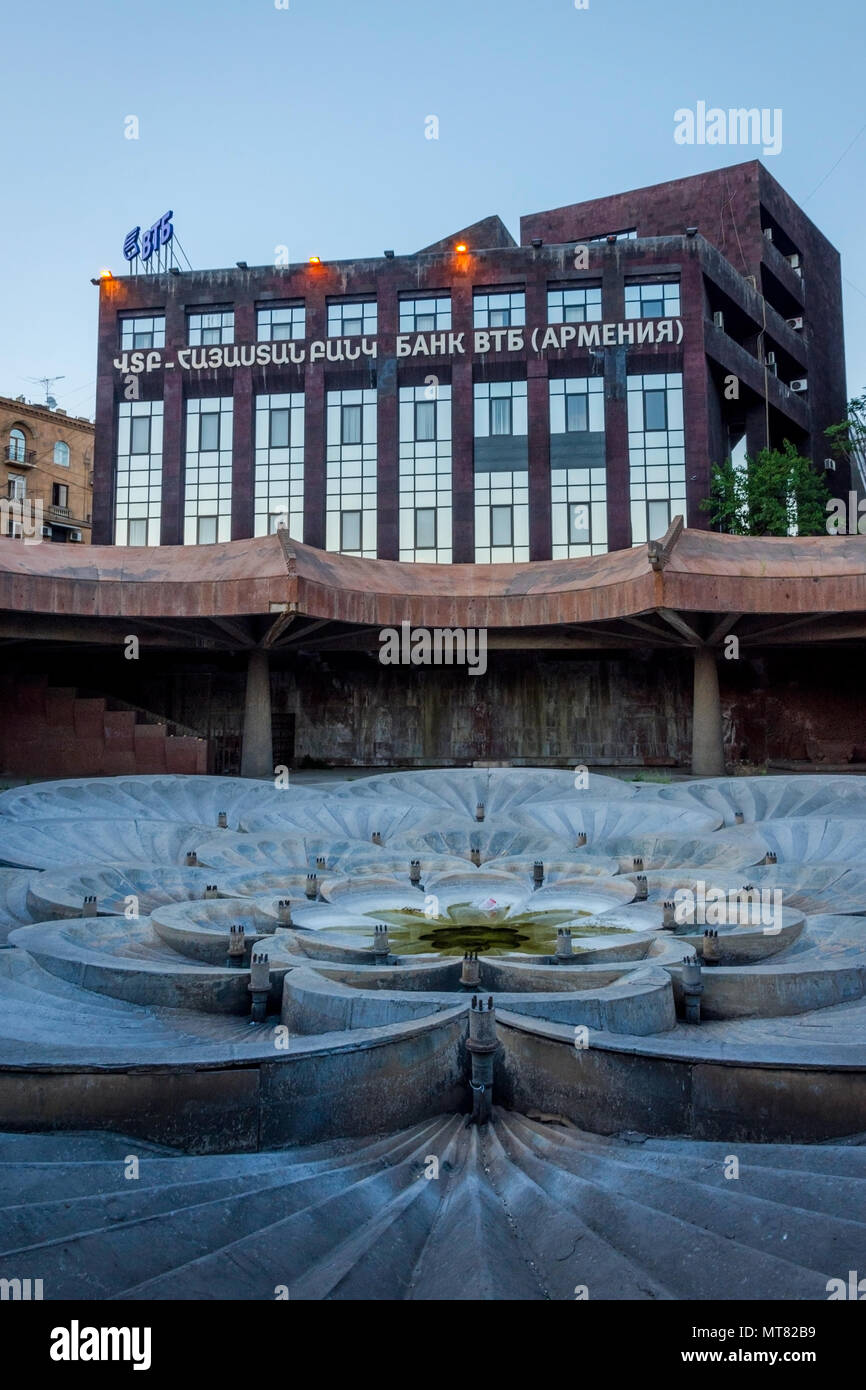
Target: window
{"x": 139, "y": 435}
{"x": 501, "y": 525}
{"x": 500, "y": 408}
{"x": 576, "y": 413}
{"x": 657, "y": 460}
{"x": 350, "y": 424}
{"x": 279, "y": 432}
{"x": 578, "y": 468}
{"x": 61, "y": 454}
{"x": 629, "y": 234}
{"x": 16, "y": 487}
{"x": 208, "y": 431}
{"x": 208, "y": 470}
{"x": 214, "y": 326}
{"x": 138, "y": 496}
{"x": 500, "y": 416}
{"x": 425, "y": 420}
{"x": 574, "y": 305}
{"x": 351, "y": 484}
{"x": 142, "y": 331}
{"x": 279, "y": 321}
{"x": 659, "y": 519}
{"x": 502, "y": 309}
{"x": 350, "y": 530}
{"x": 659, "y": 301}
{"x": 425, "y": 528}
{"x": 350, "y": 319}
{"x": 279, "y": 483}
{"x": 425, "y": 474}
{"x": 425, "y": 315}
{"x": 655, "y": 411}
{"x": 17, "y": 451}
{"x": 59, "y": 495}
{"x": 578, "y": 523}
{"x": 501, "y": 516}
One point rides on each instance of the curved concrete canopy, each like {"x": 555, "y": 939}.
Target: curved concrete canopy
{"x": 689, "y": 570}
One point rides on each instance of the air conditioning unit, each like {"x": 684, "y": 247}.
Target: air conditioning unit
{"x": 768, "y": 233}
{"x": 719, "y": 319}
{"x": 800, "y": 385}
{"x": 796, "y": 323}
{"x": 75, "y": 535}
{"x": 793, "y": 260}
{"x": 46, "y": 530}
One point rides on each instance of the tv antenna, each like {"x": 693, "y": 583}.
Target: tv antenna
{"x": 48, "y": 383}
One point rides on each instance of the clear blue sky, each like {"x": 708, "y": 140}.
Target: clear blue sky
{"x": 305, "y": 127}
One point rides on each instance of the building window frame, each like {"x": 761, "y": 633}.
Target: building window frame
{"x": 430, "y": 518}
{"x": 493, "y": 308}
{"x": 351, "y": 519}
{"x": 279, "y": 463}
{"x": 574, "y": 303}
{"x": 17, "y": 448}
{"x": 210, "y": 327}
{"x": 281, "y": 321}
{"x": 142, "y": 331}
{"x": 436, "y": 306}
{"x": 652, "y": 299}
{"x": 364, "y": 323}
{"x": 208, "y": 465}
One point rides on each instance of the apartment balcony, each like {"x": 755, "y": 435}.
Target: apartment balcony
{"x": 22, "y": 458}
{"x": 58, "y": 513}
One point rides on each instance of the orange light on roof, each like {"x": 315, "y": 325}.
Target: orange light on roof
{"x": 315, "y": 260}
{"x": 461, "y": 246}
{"x": 105, "y": 275}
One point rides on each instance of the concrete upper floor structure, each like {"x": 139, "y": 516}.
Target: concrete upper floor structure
{"x": 479, "y": 400}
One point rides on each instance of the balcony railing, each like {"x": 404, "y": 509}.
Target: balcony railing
{"x": 59, "y": 513}
{"x": 25, "y": 458}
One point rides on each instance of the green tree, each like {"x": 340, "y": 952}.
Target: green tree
{"x": 776, "y": 493}
{"x": 847, "y": 440}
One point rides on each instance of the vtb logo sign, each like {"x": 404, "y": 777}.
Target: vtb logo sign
{"x": 153, "y": 239}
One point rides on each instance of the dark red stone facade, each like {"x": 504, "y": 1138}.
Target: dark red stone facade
{"x": 730, "y": 266}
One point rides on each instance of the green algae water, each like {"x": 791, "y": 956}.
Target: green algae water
{"x": 468, "y": 927}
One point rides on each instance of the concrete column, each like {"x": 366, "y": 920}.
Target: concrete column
{"x": 708, "y": 754}
{"x": 257, "y": 752}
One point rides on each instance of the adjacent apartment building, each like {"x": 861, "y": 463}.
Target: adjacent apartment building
{"x": 479, "y": 400}
{"x": 47, "y": 472}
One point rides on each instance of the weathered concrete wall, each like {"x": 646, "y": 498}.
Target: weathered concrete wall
{"x": 606, "y": 1091}
{"x": 331, "y": 1087}
{"x": 773, "y": 993}
{"x": 534, "y": 707}
{"x": 346, "y": 709}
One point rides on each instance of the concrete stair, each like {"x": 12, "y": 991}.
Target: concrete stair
{"x": 524, "y": 1210}
{"x": 51, "y": 731}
